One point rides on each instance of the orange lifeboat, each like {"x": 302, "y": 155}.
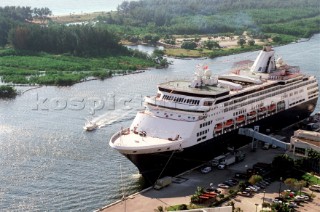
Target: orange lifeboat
{"x": 252, "y": 114}
{"x": 272, "y": 107}
{"x": 218, "y": 127}
{"x": 262, "y": 111}
{"x": 228, "y": 123}
{"x": 240, "y": 119}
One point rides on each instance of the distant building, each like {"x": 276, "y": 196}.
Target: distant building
{"x": 301, "y": 142}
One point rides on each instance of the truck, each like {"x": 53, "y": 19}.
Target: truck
{"x": 230, "y": 159}
{"x": 163, "y": 182}
{"x": 217, "y": 160}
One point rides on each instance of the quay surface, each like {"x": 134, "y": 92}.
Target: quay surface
{"x": 180, "y": 193}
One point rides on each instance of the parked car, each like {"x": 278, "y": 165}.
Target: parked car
{"x": 306, "y": 198}
{"x": 314, "y": 188}
{"x": 266, "y": 146}
{"x": 253, "y": 188}
{"x": 213, "y": 189}
{"x": 245, "y": 194}
{"x": 299, "y": 199}
{"x": 277, "y": 201}
{"x": 221, "y": 185}
{"x": 228, "y": 183}
{"x": 205, "y": 170}
{"x": 234, "y": 180}
{"x": 292, "y": 204}
{"x": 256, "y": 187}
{"x": 221, "y": 166}
{"x": 268, "y": 180}
{"x": 240, "y": 175}
{"x": 261, "y": 185}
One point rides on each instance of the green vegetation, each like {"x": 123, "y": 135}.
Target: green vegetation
{"x": 255, "y": 179}
{"x": 311, "y": 179}
{"x": 47, "y": 53}
{"x": 189, "y": 45}
{"x": 291, "y": 17}
{"x": 224, "y": 52}
{"x": 282, "y": 21}
{"x": 46, "y": 69}
{"x": 80, "y": 51}
{"x": 7, "y": 91}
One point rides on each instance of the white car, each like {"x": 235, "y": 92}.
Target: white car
{"x": 299, "y": 199}
{"x": 206, "y": 169}
{"x": 245, "y": 194}
{"x": 276, "y": 201}
{"x": 253, "y": 188}
{"x": 292, "y": 204}
{"x": 305, "y": 197}
{"x": 221, "y": 185}
{"x": 315, "y": 188}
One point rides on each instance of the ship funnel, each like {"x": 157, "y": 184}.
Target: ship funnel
{"x": 265, "y": 62}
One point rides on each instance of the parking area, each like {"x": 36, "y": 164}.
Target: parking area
{"x": 181, "y": 190}
{"x": 271, "y": 192}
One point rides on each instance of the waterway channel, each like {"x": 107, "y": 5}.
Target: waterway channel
{"x": 47, "y": 160}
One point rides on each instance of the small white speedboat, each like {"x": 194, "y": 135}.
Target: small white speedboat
{"x": 89, "y": 126}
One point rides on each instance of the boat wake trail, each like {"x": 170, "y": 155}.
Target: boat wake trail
{"x": 108, "y": 119}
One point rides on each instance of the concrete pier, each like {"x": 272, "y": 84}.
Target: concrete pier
{"x": 180, "y": 193}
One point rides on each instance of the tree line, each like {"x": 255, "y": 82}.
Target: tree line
{"x": 11, "y": 17}
{"x": 79, "y": 40}
{"x": 17, "y": 28}
{"x": 215, "y": 16}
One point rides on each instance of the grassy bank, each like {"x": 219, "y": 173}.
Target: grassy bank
{"x": 185, "y": 53}
{"x": 48, "y": 69}
{"x": 181, "y": 53}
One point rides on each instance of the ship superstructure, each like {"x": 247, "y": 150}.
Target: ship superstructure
{"x": 185, "y": 120}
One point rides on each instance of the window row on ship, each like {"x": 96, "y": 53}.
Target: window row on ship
{"x": 253, "y": 93}
{"x": 278, "y": 89}
{"x": 202, "y": 132}
{"x": 205, "y": 124}
{"x": 214, "y": 96}
{"x": 294, "y": 103}
{"x": 312, "y": 92}
{"x": 181, "y": 100}
{"x": 266, "y": 89}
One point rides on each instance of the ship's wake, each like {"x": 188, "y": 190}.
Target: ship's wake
{"x": 108, "y": 119}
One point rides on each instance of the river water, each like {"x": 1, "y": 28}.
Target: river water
{"x": 48, "y": 162}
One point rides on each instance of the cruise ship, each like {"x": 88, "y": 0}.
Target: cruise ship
{"x": 189, "y": 122}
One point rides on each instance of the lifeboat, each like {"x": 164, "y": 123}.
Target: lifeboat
{"x": 218, "y": 127}
{"x": 271, "y": 107}
{"x": 262, "y": 111}
{"x": 240, "y": 119}
{"x": 252, "y": 114}
{"x": 228, "y": 123}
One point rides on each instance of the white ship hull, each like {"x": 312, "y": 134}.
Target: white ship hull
{"x": 151, "y": 165}
{"x": 188, "y": 123}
